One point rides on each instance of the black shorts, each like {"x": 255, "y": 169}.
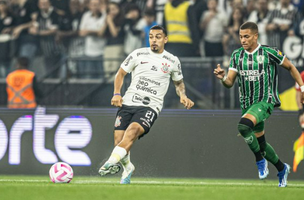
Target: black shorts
{"x": 145, "y": 116}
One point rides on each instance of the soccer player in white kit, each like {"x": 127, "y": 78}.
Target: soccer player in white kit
{"x": 151, "y": 68}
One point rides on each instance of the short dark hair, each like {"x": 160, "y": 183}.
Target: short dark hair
{"x": 23, "y": 62}
{"x": 149, "y": 12}
{"x": 250, "y": 25}
{"x": 158, "y": 27}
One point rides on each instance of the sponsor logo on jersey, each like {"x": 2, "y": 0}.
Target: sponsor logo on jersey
{"x": 179, "y": 69}
{"x": 251, "y": 75}
{"x": 142, "y": 62}
{"x": 142, "y": 53}
{"x": 144, "y": 86}
{"x": 139, "y": 99}
{"x": 165, "y": 67}
{"x": 153, "y": 68}
{"x": 142, "y": 78}
{"x": 127, "y": 61}
{"x": 169, "y": 59}
{"x": 117, "y": 121}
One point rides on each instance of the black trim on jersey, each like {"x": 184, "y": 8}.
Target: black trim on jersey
{"x": 275, "y": 59}
{"x": 234, "y": 61}
{"x": 242, "y": 79}
{"x": 251, "y": 85}
{"x": 262, "y": 92}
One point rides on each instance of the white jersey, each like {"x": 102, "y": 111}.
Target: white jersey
{"x": 151, "y": 74}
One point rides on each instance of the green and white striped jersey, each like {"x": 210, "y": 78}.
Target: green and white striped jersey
{"x": 257, "y": 74}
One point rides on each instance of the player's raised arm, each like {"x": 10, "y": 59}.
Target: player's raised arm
{"x": 295, "y": 75}
{"x": 118, "y": 82}
{"x": 227, "y": 80}
{"x": 181, "y": 92}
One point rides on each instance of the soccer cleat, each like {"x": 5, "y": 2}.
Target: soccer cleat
{"x": 263, "y": 168}
{"x": 109, "y": 168}
{"x": 126, "y": 175}
{"x": 283, "y": 175}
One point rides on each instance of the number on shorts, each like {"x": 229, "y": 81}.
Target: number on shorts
{"x": 150, "y": 115}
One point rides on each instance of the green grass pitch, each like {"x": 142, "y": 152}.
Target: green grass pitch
{"x": 108, "y": 188}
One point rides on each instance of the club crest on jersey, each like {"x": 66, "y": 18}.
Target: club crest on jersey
{"x": 260, "y": 59}
{"x": 117, "y": 121}
{"x": 165, "y": 67}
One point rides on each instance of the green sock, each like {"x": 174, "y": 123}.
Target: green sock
{"x": 249, "y": 137}
{"x": 269, "y": 153}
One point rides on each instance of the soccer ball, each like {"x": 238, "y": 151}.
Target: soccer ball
{"x": 61, "y": 172}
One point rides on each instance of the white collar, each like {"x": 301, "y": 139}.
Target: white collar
{"x": 259, "y": 45}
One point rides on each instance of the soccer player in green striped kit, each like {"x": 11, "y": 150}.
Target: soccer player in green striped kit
{"x": 255, "y": 66}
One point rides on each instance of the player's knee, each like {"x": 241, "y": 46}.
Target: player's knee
{"x": 245, "y": 126}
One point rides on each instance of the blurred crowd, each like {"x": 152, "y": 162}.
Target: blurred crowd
{"x": 97, "y": 34}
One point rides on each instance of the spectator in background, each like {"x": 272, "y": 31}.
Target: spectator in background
{"x": 7, "y": 23}
{"x": 61, "y": 7}
{"x": 133, "y": 28}
{"x": 113, "y": 30}
{"x": 149, "y": 17}
{"x": 280, "y": 23}
{"x": 141, "y": 4}
{"x": 25, "y": 12}
{"x": 259, "y": 16}
{"x": 231, "y": 37}
{"x": 46, "y": 27}
{"x": 91, "y": 23}
{"x": 213, "y": 24}
{"x": 69, "y": 35}
{"x": 21, "y": 86}
{"x": 250, "y": 6}
{"x": 225, "y": 6}
{"x": 182, "y": 29}
{"x": 199, "y": 7}
{"x": 158, "y": 6}
{"x": 238, "y": 4}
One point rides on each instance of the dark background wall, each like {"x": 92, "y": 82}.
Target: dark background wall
{"x": 196, "y": 143}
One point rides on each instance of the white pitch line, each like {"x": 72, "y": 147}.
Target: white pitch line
{"x": 178, "y": 183}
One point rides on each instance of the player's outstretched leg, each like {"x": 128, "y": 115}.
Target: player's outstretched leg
{"x": 283, "y": 175}
{"x": 128, "y": 170}
{"x": 111, "y": 166}
{"x": 263, "y": 168}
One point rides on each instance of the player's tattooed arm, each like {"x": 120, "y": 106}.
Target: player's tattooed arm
{"x": 181, "y": 92}
{"x": 180, "y": 88}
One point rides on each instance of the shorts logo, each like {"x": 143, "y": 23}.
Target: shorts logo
{"x": 146, "y": 122}
{"x": 249, "y": 140}
{"x": 165, "y": 67}
{"x": 259, "y": 110}
{"x": 117, "y": 121}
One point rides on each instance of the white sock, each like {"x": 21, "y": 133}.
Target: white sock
{"x": 125, "y": 161}
{"x": 117, "y": 154}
